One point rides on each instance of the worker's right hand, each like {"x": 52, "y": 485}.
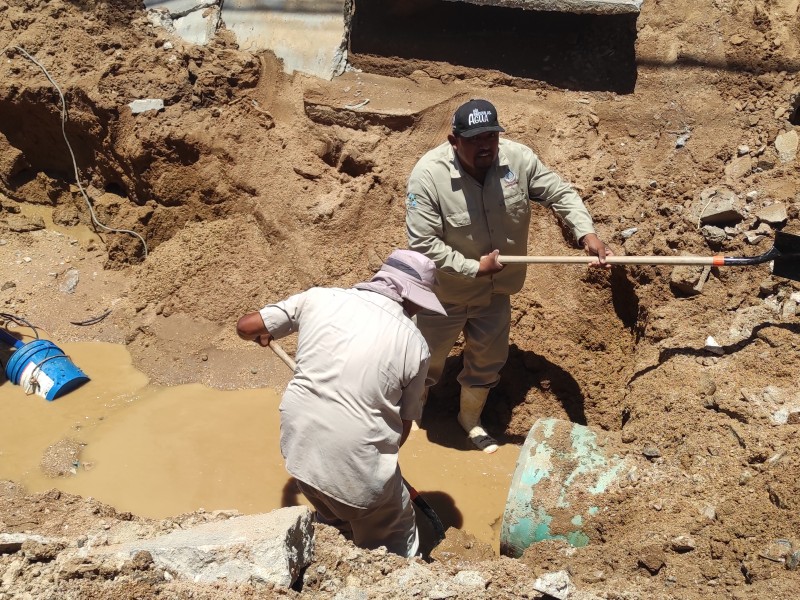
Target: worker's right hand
{"x": 489, "y": 264}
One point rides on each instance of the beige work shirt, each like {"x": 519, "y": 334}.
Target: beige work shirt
{"x": 454, "y": 220}
{"x": 361, "y": 368}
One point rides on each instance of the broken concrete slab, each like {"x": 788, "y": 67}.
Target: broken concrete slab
{"x": 595, "y": 7}
{"x": 268, "y": 548}
{"x": 774, "y": 214}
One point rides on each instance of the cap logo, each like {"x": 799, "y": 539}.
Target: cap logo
{"x": 477, "y": 117}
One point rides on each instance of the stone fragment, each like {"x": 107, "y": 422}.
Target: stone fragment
{"x": 689, "y": 279}
{"x": 713, "y": 347}
{"x": 786, "y": 145}
{"x": 739, "y": 167}
{"x": 652, "y": 559}
{"x": 144, "y": 104}
{"x": 626, "y": 233}
{"x": 23, "y": 224}
{"x": 651, "y": 451}
{"x": 774, "y": 214}
{"x": 776, "y": 551}
{"x": 12, "y": 542}
{"x": 556, "y": 584}
{"x": 470, "y": 579}
{"x": 270, "y": 548}
{"x": 70, "y": 282}
{"x": 719, "y": 207}
{"x": 713, "y": 234}
{"x": 683, "y": 543}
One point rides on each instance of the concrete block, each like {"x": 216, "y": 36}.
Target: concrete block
{"x": 268, "y": 548}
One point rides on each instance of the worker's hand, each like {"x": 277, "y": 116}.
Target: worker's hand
{"x": 264, "y": 339}
{"x": 594, "y": 246}
{"x": 489, "y": 264}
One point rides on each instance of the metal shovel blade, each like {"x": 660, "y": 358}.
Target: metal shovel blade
{"x": 787, "y": 262}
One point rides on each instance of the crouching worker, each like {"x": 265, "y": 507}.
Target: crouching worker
{"x": 357, "y": 387}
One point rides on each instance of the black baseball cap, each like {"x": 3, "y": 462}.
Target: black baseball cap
{"x": 475, "y": 117}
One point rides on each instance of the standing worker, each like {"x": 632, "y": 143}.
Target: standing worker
{"x": 468, "y": 201}
{"x": 358, "y": 384}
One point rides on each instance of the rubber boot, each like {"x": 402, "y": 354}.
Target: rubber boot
{"x": 473, "y": 400}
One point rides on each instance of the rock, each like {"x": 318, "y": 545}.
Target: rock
{"x": 470, "y": 579}
{"x": 71, "y": 278}
{"x": 683, "y": 543}
{"x": 719, "y": 207}
{"x": 309, "y": 171}
{"x": 626, "y": 233}
{"x": 739, "y": 167}
{"x": 11, "y": 543}
{"x": 713, "y": 347}
{"x": 272, "y": 547}
{"x": 651, "y": 452}
{"x": 680, "y": 142}
{"x": 144, "y": 104}
{"x": 713, "y": 235}
{"x": 776, "y": 551}
{"x": 652, "y": 559}
{"x": 23, "y": 224}
{"x": 774, "y": 214}
{"x": 689, "y": 279}
{"x": 793, "y": 418}
{"x": 742, "y": 150}
{"x": 786, "y": 145}
{"x": 556, "y": 584}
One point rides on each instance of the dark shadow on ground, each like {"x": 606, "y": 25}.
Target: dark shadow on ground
{"x": 445, "y": 507}
{"x": 570, "y": 51}
{"x": 290, "y": 496}
{"x": 524, "y": 371}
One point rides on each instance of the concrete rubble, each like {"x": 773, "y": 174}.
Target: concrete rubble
{"x": 268, "y": 548}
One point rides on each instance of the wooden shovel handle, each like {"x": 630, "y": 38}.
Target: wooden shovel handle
{"x": 276, "y": 348}
{"x": 616, "y": 260}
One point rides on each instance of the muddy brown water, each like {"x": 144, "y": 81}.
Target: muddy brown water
{"x": 162, "y": 451}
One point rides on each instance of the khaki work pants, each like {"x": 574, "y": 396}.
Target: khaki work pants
{"x": 390, "y": 522}
{"x": 486, "y": 330}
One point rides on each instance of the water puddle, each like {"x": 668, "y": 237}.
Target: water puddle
{"x": 162, "y": 451}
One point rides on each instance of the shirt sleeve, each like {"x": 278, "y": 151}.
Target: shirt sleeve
{"x": 426, "y": 230}
{"x": 411, "y": 399}
{"x": 282, "y": 318}
{"x": 549, "y": 190}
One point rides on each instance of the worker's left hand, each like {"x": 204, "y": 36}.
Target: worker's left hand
{"x": 264, "y": 339}
{"x": 594, "y": 246}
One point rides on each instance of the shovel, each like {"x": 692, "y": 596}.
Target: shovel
{"x": 785, "y": 254}
{"x": 426, "y": 508}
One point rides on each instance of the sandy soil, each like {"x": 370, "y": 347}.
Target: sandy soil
{"x": 251, "y": 185}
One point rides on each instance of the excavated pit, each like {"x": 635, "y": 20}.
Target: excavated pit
{"x": 568, "y": 51}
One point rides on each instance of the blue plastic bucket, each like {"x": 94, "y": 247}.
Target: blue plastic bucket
{"x": 42, "y": 368}
{"x": 556, "y": 490}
